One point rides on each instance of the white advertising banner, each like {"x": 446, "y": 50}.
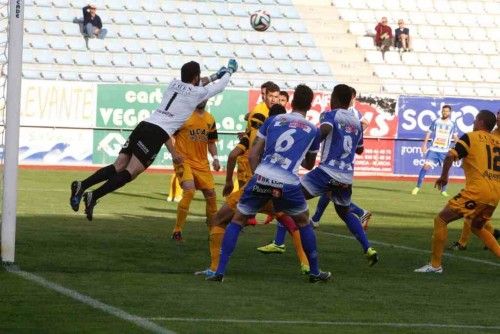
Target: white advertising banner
{"x": 58, "y": 103}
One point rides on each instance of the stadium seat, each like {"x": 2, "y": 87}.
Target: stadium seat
{"x": 139, "y": 60}
{"x": 58, "y": 44}
{"x": 449, "y": 90}
{"x": 322, "y": 68}
{"x": 175, "y": 21}
{"x": 157, "y": 19}
{"x": 438, "y": 73}
{"x": 455, "y": 74}
{"x": 174, "y": 62}
{"x": 207, "y": 50}
{"x": 286, "y": 68}
{"x": 466, "y": 91}
{"x": 279, "y": 53}
{"x": 445, "y": 60}
{"x": 121, "y": 60}
{"x": 181, "y": 35}
{"x": 44, "y": 57}
{"x": 484, "y": 91}
{"x": 289, "y": 40}
{"x": 481, "y": 61}
{"x": 261, "y": 53}
{"x": 28, "y": 56}
{"x": 91, "y": 77}
{"x": 71, "y": 29}
{"x": 267, "y": 67}
{"x": 374, "y": 57}
{"x": 383, "y": 71}
{"x": 134, "y": 5}
{"x": 158, "y": 61}
{"x": 187, "y": 49}
{"x": 304, "y": 68}
{"x": 297, "y": 26}
{"x": 453, "y": 46}
{"x": 58, "y": 3}
{"x": 428, "y": 59}
{"x": 64, "y": 58}
{"x": 115, "y": 5}
{"x": 392, "y": 58}
{"x": 146, "y": 79}
{"x": 490, "y": 76}
{"x": 139, "y": 20}
{"x": 192, "y": 21}
{"x": 249, "y": 66}
{"x": 462, "y": 60}
{"x": 108, "y": 77}
{"x": 212, "y": 64}
{"x": 128, "y": 78}
{"x": 82, "y": 59}
{"x": 133, "y": 47}
{"x": 429, "y": 89}
{"x": 104, "y": 60}
{"x": 70, "y": 76}
{"x": 366, "y": 43}
{"x": 221, "y": 9}
{"x": 162, "y": 34}
{"x": 281, "y": 26}
{"x": 410, "y": 58}
{"x": 115, "y": 46}
{"x": 39, "y": 43}
{"x": 306, "y": 40}
{"x": 419, "y": 72}
{"x": 225, "y": 52}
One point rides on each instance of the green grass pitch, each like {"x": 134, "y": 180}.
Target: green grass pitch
{"x": 125, "y": 258}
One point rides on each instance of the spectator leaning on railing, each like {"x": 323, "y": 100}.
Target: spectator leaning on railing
{"x": 383, "y": 35}
{"x": 92, "y": 24}
{"x": 402, "y": 39}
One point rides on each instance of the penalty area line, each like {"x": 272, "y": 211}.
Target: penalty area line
{"x": 413, "y": 249}
{"x": 327, "y": 323}
{"x": 89, "y": 301}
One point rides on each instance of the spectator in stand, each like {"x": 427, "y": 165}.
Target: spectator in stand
{"x": 383, "y": 36}
{"x": 92, "y": 24}
{"x": 402, "y": 39}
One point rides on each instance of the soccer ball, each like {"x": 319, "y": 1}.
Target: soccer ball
{"x": 260, "y": 20}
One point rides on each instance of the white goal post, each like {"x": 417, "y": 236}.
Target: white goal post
{"x": 11, "y": 148}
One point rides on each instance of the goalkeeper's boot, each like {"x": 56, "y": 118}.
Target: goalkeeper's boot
{"x": 76, "y": 195}
{"x": 444, "y": 194}
{"x": 322, "y": 277}
{"x": 456, "y": 246}
{"x": 177, "y": 236}
{"x": 372, "y": 256}
{"x": 365, "y": 219}
{"x": 304, "y": 269}
{"x": 215, "y": 278}
{"x": 428, "y": 268}
{"x": 89, "y": 204}
{"x": 415, "y": 190}
{"x": 272, "y": 248}
{"x": 206, "y": 273}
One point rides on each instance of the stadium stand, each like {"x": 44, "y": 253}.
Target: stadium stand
{"x": 318, "y": 42}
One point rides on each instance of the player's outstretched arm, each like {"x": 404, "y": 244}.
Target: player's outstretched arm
{"x": 231, "y": 163}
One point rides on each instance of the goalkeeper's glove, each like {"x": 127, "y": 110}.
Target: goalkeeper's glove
{"x": 232, "y": 66}
{"x": 219, "y": 74}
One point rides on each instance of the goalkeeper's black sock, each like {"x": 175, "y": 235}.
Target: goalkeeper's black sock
{"x": 100, "y": 175}
{"x": 115, "y": 182}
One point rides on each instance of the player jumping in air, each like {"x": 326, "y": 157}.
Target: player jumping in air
{"x": 139, "y": 151}
{"x": 443, "y": 130}
{"x": 282, "y": 143}
{"x": 343, "y": 138}
{"x": 192, "y": 141}
{"x": 480, "y": 151}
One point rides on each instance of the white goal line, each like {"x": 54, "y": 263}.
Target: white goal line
{"x": 326, "y": 323}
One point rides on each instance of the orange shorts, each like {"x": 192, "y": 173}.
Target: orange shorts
{"x": 203, "y": 178}
{"x": 478, "y": 213}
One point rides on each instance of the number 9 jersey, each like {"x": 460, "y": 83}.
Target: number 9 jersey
{"x": 480, "y": 151}
{"x": 288, "y": 138}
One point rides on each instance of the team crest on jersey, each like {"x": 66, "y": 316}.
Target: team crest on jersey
{"x": 348, "y": 128}
{"x": 198, "y": 135}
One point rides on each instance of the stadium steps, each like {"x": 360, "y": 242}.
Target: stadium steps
{"x": 338, "y": 47}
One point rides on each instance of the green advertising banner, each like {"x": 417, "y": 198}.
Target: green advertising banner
{"x": 122, "y": 107}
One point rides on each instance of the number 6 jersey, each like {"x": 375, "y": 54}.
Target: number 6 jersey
{"x": 480, "y": 151}
{"x": 288, "y": 138}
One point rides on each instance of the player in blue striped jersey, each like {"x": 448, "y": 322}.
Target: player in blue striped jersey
{"x": 443, "y": 131}
{"x": 283, "y": 144}
{"x": 343, "y": 138}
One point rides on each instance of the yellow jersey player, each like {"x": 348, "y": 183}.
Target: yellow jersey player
{"x": 461, "y": 244}
{"x": 192, "y": 140}
{"x": 270, "y": 95}
{"x": 480, "y": 151}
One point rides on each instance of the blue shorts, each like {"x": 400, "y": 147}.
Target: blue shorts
{"x": 317, "y": 182}
{"x": 287, "y": 198}
{"x": 434, "y": 158}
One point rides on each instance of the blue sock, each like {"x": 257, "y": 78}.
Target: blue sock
{"x": 323, "y": 202}
{"x": 356, "y": 209}
{"x": 421, "y": 177}
{"x": 279, "y": 238}
{"x": 354, "y": 226}
{"x": 228, "y": 245}
{"x": 308, "y": 239}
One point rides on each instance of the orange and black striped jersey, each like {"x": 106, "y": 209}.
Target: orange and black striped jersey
{"x": 192, "y": 139}
{"x": 480, "y": 151}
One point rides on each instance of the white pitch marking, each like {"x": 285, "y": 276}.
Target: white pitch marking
{"x": 94, "y": 303}
{"x": 328, "y": 323}
{"x": 418, "y": 250}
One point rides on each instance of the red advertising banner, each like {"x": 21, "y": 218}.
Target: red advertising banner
{"x": 378, "y": 157}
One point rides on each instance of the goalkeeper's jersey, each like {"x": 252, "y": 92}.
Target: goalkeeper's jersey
{"x": 179, "y": 101}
